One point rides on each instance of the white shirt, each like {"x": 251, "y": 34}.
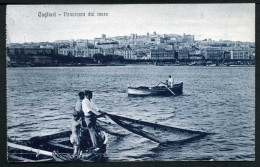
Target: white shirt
{"x": 88, "y": 105}
{"x": 170, "y": 80}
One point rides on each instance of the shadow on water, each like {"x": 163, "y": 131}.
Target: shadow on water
{"x": 178, "y": 145}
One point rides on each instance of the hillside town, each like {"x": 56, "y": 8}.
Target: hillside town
{"x": 152, "y": 48}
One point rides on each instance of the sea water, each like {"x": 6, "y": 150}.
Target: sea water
{"x": 218, "y": 100}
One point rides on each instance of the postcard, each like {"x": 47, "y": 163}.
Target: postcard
{"x": 130, "y": 82}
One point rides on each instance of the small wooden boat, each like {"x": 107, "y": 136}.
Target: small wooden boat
{"x": 55, "y": 147}
{"x": 156, "y": 91}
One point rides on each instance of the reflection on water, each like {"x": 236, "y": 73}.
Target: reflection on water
{"x": 216, "y": 99}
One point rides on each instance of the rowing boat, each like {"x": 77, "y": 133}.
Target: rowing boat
{"x": 57, "y": 147}
{"x": 155, "y": 91}
{"x": 54, "y": 147}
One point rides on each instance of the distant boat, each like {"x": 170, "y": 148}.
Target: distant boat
{"x": 155, "y": 91}
{"x": 192, "y": 64}
{"x": 212, "y": 65}
{"x": 116, "y": 64}
{"x": 239, "y": 65}
{"x": 95, "y": 65}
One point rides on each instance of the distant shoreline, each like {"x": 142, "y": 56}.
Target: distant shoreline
{"x": 103, "y": 65}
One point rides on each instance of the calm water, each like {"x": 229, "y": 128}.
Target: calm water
{"x": 220, "y": 100}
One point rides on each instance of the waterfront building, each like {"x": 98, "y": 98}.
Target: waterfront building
{"x": 161, "y": 54}
{"x": 108, "y": 51}
{"x": 196, "y": 57}
{"x": 183, "y": 53}
{"x": 86, "y": 51}
{"x": 44, "y": 60}
{"x": 91, "y": 52}
{"x": 82, "y": 51}
{"x": 212, "y": 53}
{"x": 142, "y": 55}
{"x": 127, "y": 53}
{"x": 227, "y": 55}
{"x": 240, "y": 54}
{"x": 26, "y": 55}
{"x": 66, "y": 51}
{"x": 22, "y": 50}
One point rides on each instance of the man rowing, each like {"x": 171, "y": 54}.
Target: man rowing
{"x": 170, "y": 81}
{"x": 91, "y": 112}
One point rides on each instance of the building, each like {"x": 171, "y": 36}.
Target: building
{"x": 183, "y": 53}
{"x": 29, "y": 51}
{"x": 127, "y": 53}
{"x": 86, "y": 51}
{"x": 188, "y": 38}
{"x": 227, "y": 55}
{"x": 33, "y": 55}
{"x": 91, "y": 52}
{"x": 239, "y": 54}
{"x": 133, "y": 36}
{"x": 107, "y": 45}
{"x": 38, "y": 50}
{"x": 196, "y": 57}
{"x": 161, "y": 54}
{"x": 79, "y": 51}
{"x": 103, "y": 39}
{"x": 44, "y": 60}
{"x": 108, "y": 52}
{"x": 103, "y": 36}
{"x": 213, "y": 53}
{"x": 66, "y": 51}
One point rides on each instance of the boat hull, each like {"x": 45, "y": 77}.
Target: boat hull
{"x": 57, "y": 144}
{"x": 155, "y": 91}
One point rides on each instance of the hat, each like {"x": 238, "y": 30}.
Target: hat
{"x": 75, "y": 113}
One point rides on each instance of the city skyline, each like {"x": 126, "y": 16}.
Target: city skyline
{"x": 235, "y": 22}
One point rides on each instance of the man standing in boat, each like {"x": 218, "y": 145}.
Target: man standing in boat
{"x": 78, "y": 108}
{"x": 170, "y": 81}
{"x": 75, "y": 137}
{"x": 91, "y": 112}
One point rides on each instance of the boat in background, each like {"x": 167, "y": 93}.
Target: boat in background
{"x": 177, "y": 89}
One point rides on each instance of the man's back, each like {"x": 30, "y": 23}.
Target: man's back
{"x": 170, "y": 82}
{"x": 78, "y": 106}
{"x": 89, "y": 105}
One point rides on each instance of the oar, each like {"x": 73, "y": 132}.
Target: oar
{"x": 26, "y": 148}
{"x": 170, "y": 90}
{"x": 159, "y": 83}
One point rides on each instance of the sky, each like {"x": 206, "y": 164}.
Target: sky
{"x": 216, "y": 21}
